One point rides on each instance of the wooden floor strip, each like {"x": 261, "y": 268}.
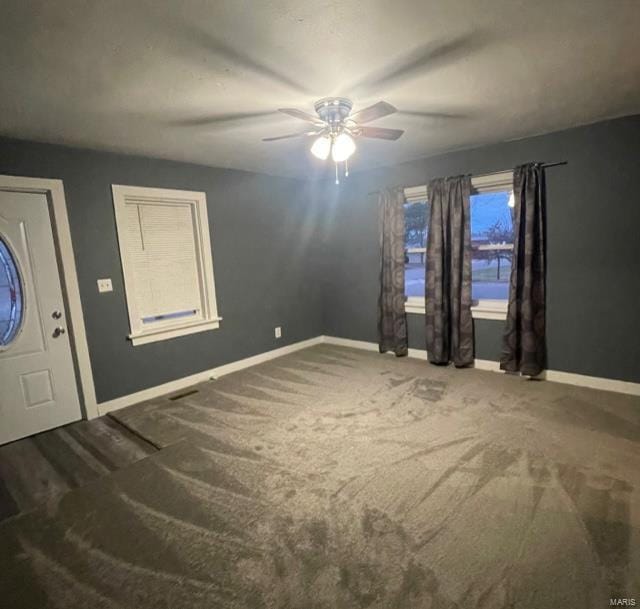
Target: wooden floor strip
{"x": 49, "y": 464}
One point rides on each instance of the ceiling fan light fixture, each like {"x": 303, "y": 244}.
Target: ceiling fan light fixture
{"x": 335, "y": 128}
{"x": 343, "y": 147}
{"x": 321, "y": 147}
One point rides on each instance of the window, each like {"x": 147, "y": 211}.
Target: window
{"x": 11, "y": 309}
{"x": 416, "y": 220}
{"x": 166, "y": 262}
{"x": 491, "y": 245}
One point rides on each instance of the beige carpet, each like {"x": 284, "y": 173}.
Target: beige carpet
{"x": 336, "y": 478}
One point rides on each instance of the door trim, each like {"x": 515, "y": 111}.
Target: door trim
{"x": 54, "y": 191}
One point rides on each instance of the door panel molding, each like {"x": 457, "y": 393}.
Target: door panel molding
{"x": 54, "y": 191}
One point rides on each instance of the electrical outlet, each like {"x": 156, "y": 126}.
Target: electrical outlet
{"x": 104, "y": 285}
{"x": 278, "y": 332}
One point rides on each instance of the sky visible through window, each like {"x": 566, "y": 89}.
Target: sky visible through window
{"x": 491, "y": 243}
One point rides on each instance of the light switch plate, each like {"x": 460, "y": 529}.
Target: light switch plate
{"x": 104, "y": 285}
{"x": 278, "y": 332}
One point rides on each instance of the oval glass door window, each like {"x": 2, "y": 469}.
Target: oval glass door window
{"x": 11, "y": 303}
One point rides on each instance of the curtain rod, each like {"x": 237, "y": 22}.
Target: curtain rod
{"x": 482, "y": 175}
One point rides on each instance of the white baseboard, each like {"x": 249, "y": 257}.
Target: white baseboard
{"x": 556, "y": 376}
{"x": 348, "y": 342}
{"x": 594, "y": 382}
{"x": 486, "y": 364}
{"x": 367, "y": 346}
{"x": 481, "y": 364}
{"x": 199, "y": 377}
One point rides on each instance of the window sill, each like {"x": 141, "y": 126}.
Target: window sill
{"x": 416, "y": 307}
{"x": 488, "y": 309}
{"x": 166, "y": 333}
{"x": 484, "y": 309}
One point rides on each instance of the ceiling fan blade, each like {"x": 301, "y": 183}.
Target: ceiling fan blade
{"x": 379, "y": 133}
{"x": 305, "y": 116}
{"x": 373, "y": 112}
{"x": 290, "y": 135}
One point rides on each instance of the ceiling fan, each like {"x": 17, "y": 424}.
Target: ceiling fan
{"x": 336, "y": 128}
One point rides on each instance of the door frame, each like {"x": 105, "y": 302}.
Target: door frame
{"x": 54, "y": 192}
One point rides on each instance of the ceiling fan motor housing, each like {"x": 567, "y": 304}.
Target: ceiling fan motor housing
{"x": 333, "y": 110}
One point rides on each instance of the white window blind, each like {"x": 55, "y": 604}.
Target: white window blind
{"x": 166, "y": 261}
{"x": 162, "y": 251}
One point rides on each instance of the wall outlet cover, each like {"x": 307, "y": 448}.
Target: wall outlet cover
{"x": 278, "y": 332}
{"x": 104, "y": 285}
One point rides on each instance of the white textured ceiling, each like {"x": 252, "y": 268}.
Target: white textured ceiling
{"x": 199, "y": 80}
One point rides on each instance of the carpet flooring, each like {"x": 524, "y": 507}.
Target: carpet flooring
{"x": 337, "y": 478}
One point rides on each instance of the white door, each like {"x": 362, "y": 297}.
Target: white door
{"x": 37, "y": 381}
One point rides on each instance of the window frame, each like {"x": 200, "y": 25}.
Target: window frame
{"x": 143, "y": 333}
{"x": 480, "y": 309}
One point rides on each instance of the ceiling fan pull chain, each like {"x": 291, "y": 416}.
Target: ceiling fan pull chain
{"x": 337, "y": 179}
{"x": 346, "y": 168}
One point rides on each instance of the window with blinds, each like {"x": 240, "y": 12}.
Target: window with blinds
{"x": 166, "y": 261}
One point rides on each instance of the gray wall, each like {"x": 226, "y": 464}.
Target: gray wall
{"x": 593, "y": 246}
{"x": 304, "y": 255}
{"x": 265, "y": 261}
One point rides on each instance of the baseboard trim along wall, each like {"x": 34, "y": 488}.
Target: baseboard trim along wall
{"x": 205, "y": 375}
{"x": 557, "y": 376}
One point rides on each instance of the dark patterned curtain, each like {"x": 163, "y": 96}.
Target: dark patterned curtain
{"x": 448, "y": 286}
{"x": 524, "y": 344}
{"x": 392, "y": 319}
